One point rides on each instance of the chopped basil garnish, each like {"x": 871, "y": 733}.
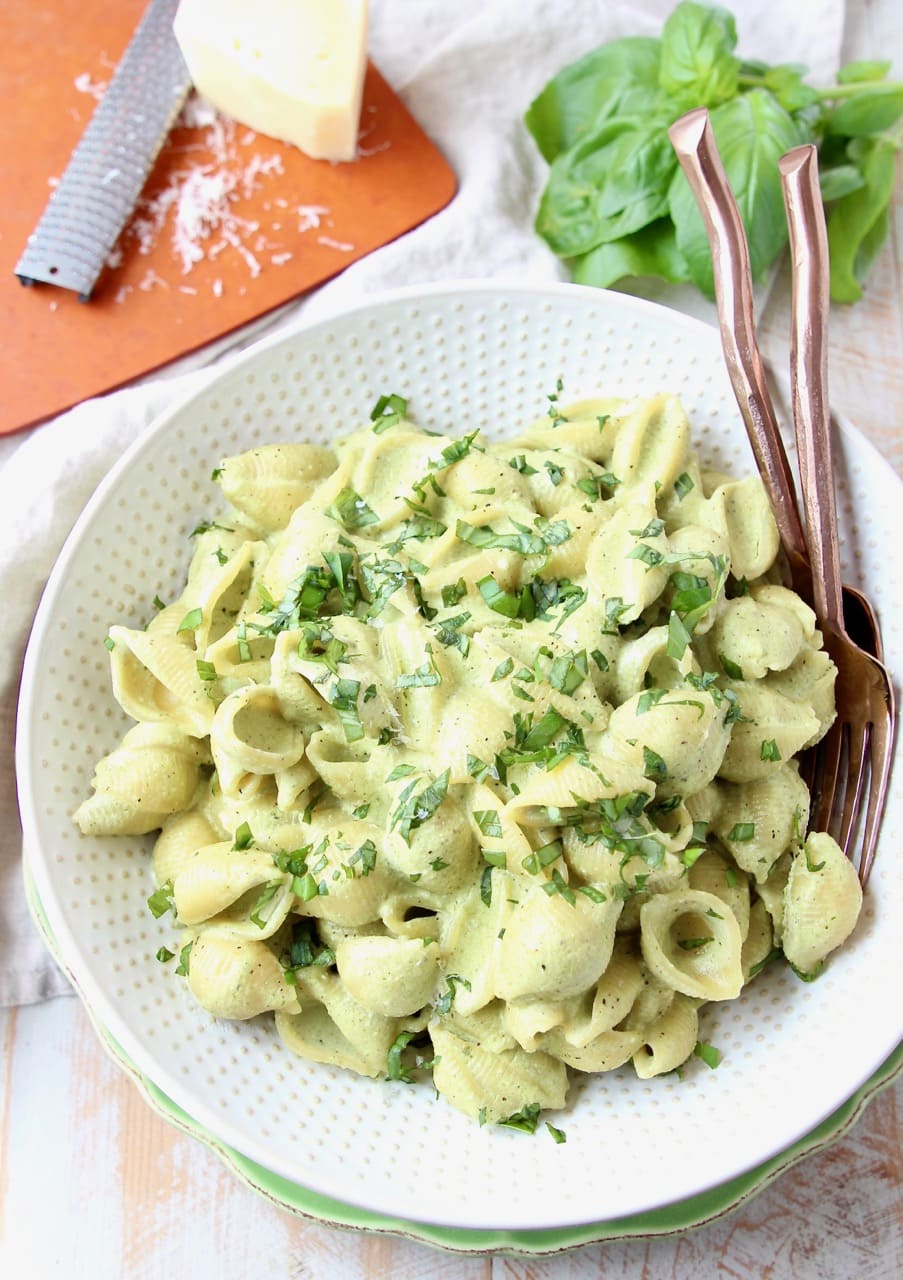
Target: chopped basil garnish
{"x": 425, "y": 676}
{"x": 243, "y": 838}
{"x": 191, "y": 621}
{"x": 351, "y": 511}
{"x": 388, "y": 412}
{"x": 265, "y": 897}
{"x": 525, "y": 1120}
{"x": 448, "y": 632}
{"x": 488, "y": 822}
{"x": 598, "y": 487}
{"x": 161, "y": 900}
{"x": 343, "y": 698}
{"x": 413, "y": 809}
{"x": 525, "y": 541}
{"x": 452, "y": 594}
{"x": 447, "y": 999}
{"x": 729, "y": 667}
{"x": 568, "y": 672}
{"x": 653, "y": 765}
{"x": 544, "y": 857}
{"x": 710, "y": 1055}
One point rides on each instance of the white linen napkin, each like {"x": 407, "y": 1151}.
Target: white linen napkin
{"x": 467, "y": 72}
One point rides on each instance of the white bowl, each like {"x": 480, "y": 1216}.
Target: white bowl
{"x": 464, "y": 355}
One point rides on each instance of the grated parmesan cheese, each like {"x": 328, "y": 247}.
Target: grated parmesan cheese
{"x": 200, "y": 210}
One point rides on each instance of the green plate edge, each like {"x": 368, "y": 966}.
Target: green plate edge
{"x": 694, "y": 1211}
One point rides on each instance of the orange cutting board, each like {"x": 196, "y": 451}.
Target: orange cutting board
{"x": 273, "y": 223}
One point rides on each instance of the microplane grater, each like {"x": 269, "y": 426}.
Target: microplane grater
{"x": 103, "y": 180}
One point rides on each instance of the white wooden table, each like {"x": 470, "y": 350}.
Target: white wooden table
{"x": 94, "y": 1184}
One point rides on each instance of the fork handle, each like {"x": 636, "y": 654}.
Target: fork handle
{"x": 694, "y": 142}
{"x": 809, "y": 374}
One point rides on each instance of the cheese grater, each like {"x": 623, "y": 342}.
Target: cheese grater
{"x": 103, "y": 180}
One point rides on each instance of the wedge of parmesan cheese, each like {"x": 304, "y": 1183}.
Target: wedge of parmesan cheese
{"x": 292, "y": 69}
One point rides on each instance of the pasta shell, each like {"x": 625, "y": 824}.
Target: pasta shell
{"x": 684, "y": 730}
{"x": 741, "y": 512}
{"x": 609, "y": 1050}
{"x": 553, "y": 949}
{"x": 768, "y": 716}
{"x": 269, "y": 483}
{"x": 182, "y": 835}
{"x": 153, "y": 773}
{"x": 250, "y": 735}
{"x": 645, "y": 664}
{"x": 391, "y": 976}
{"x": 236, "y": 978}
{"x": 613, "y": 570}
{"x": 669, "y": 1041}
{"x": 241, "y": 889}
{"x": 759, "y": 941}
{"x": 758, "y": 636}
{"x": 822, "y": 902}
{"x": 334, "y": 1028}
{"x": 651, "y": 443}
{"x": 586, "y": 428}
{"x": 716, "y": 875}
{"x": 692, "y": 943}
{"x": 769, "y": 814}
{"x": 494, "y": 1086}
{"x": 155, "y": 677}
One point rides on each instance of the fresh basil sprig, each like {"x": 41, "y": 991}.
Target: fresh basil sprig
{"x": 616, "y": 203}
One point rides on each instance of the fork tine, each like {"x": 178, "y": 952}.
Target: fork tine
{"x": 859, "y": 742}
{"x": 825, "y": 776}
{"x": 882, "y": 758}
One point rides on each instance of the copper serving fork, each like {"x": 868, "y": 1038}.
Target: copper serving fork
{"x": 694, "y": 143}
{"x": 862, "y": 735}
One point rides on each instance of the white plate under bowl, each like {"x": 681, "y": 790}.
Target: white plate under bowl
{"x": 465, "y": 356}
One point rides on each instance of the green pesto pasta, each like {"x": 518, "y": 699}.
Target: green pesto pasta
{"x": 481, "y": 757}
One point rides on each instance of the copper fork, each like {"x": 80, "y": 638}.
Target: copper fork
{"x": 694, "y": 142}
{"x": 862, "y": 736}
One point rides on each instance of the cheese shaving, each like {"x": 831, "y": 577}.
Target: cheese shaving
{"x": 200, "y": 209}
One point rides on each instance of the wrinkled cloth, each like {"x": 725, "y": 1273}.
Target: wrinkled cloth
{"x": 467, "y": 72}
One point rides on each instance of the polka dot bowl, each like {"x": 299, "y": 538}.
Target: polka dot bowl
{"x": 464, "y": 356}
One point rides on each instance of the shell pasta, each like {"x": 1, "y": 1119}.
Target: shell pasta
{"x": 480, "y": 757}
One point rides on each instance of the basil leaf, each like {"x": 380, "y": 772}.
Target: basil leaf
{"x": 858, "y": 224}
{"x": 698, "y": 67}
{"x": 787, "y": 84}
{"x": 856, "y": 72}
{"x": 839, "y": 181}
{"x": 752, "y": 133}
{"x": 584, "y": 92}
{"x": 870, "y": 111}
{"x": 613, "y": 182}
{"x": 650, "y": 251}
